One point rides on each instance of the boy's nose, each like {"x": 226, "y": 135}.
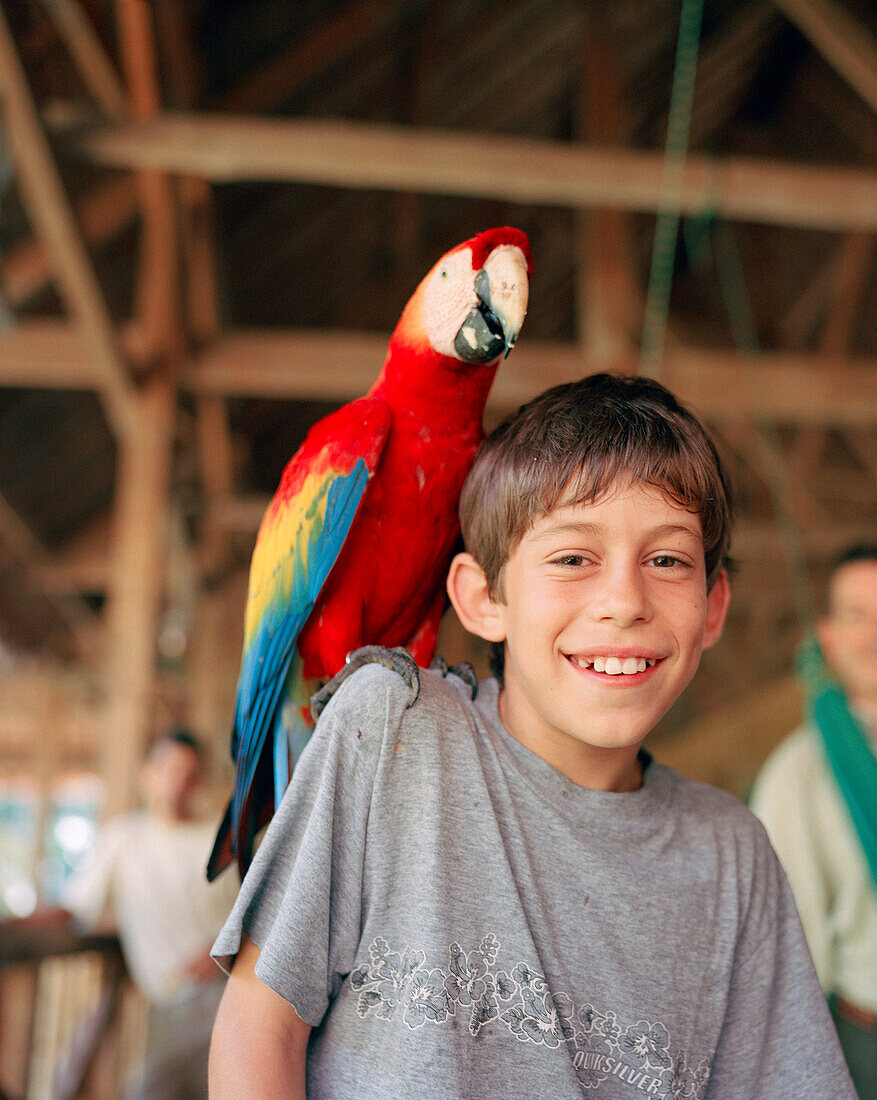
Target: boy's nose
{"x": 622, "y": 597}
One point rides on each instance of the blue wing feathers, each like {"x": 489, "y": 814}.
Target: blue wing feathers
{"x": 266, "y": 665}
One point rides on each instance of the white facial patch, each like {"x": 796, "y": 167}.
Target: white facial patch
{"x": 506, "y": 269}
{"x": 448, "y": 299}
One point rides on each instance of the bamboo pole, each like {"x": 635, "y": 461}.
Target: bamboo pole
{"x": 136, "y": 584}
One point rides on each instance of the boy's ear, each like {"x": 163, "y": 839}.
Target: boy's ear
{"x": 717, "y": 601}
{"x": 476, "y": 609}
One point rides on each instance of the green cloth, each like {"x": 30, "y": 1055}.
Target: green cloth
{"x": 849, "y": 753}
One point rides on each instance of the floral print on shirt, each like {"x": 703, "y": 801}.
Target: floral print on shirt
{"x": 639, "y": 1053}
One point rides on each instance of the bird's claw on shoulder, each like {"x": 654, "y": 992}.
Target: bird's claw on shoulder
{"x": 398, "y": 660}
{"x": 463, "y": 671}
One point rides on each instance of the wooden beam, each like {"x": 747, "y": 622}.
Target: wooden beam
{"x": 49, "y": 210}
{"x": 337, "y": 366}
{"x": 51, "y": 354}
{"x": 722, "y": 385}
{"x": 846, "y": 44}
{"x": 47, "y": 355}
{"x": 529, "y": 171}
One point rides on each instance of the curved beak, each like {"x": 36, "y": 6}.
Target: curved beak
{"x": 501, "y": 289}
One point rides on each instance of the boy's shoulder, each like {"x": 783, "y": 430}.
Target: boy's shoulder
{"x": 709, "y": 809}
{"x": 377, "y": 697}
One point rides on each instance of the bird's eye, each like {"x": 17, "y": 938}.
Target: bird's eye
{"x": 443, "y": 272}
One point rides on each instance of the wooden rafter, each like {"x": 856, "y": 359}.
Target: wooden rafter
{"x": 722, "y": 385}
{"x": 845, "y": 43}
{"x": 51, "y": 215}
{"x": 364, "y": 155}
{"x": 278, "y": 363}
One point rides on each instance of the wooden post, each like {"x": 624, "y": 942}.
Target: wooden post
{"x": 608, "y": 298}
{"x": 136, "y": 583}
{"x": 158, "y": 291}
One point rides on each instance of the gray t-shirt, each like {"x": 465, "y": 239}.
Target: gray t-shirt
{"x": 457, "y": 919}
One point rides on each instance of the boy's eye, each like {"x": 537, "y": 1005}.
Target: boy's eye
{"x": 667, "y": 561}
{"x": 569, "y": 559}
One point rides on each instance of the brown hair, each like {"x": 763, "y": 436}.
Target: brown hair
{"x": 574, "y": 443}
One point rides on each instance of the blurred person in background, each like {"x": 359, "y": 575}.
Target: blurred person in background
{"x": 147, "y": 881}
{"x": 824, "y": 828}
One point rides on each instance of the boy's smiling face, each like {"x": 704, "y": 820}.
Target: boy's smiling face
{"x": 604, "y": 614}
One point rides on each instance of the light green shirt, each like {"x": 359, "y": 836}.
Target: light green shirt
{"x": 797, "y": 798}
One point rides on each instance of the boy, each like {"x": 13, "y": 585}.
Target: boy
{"x": 505, "y": 896}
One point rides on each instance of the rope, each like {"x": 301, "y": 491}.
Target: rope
{"x": 667, "y": 224}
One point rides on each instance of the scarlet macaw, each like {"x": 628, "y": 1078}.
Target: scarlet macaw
{"x": 355, "y": 546}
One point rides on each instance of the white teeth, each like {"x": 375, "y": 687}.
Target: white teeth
{"x": 615, "y": 666}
